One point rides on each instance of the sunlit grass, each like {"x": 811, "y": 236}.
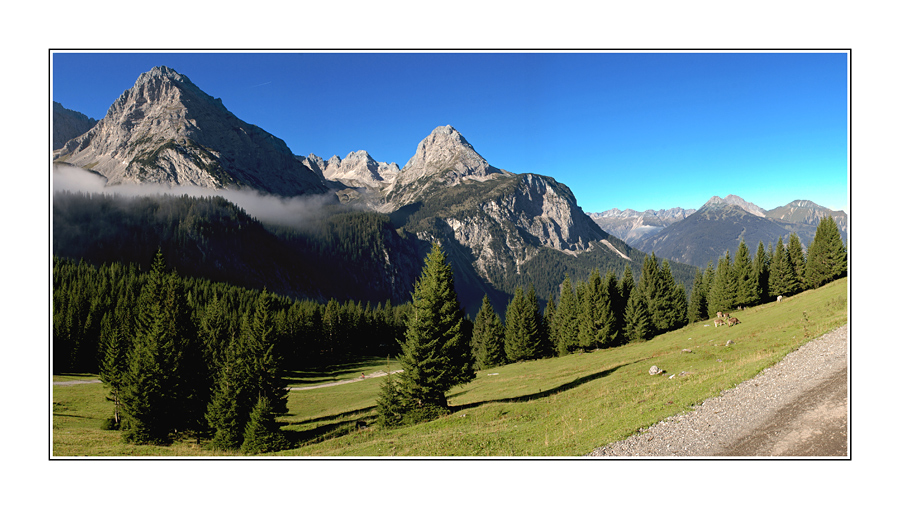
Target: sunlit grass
{"x": 553, "y": 407}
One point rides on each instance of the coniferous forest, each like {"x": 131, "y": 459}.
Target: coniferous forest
{"x": 215, "y": 354}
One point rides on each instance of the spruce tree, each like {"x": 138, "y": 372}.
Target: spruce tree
{"x": 798, "y": 262}
{"x": 262, "y": 433}
{"x": 778, "y": 268}
{"x": 697, "y": 304}
{"x": 761, "y": 272}
{"x": 745, "y": 275}
{"x": 113, "y": 361}
{"x": 592, "y": 313}
{"x": 650, "y": 287}
{"x": 540, "y": 339}
{"x": 263, "y": 355}
{"x": 564, "y": 326}
{"x": 636, "y": 326}
{"x": 436, "y": 355}
{"x": 150, "y": 394}
{"x": 827, "y": 256}
{"x": 487, "y": 337}
{"x": 723, "y": 293}
{"x": 227, "y": 413}
{"x": 522, "y": 329}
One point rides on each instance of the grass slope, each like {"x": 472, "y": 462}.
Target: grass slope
{"x": 553, "y": 407}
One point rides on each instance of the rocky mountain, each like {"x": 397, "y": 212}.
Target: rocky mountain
{"x": 731, "y": 199}
{"x": 500, "y": 229}
{"x": 807, "y": 212}
{"x": 68, "y": 124}
{"x": 632, "y": 226}
{"x": 165, "y": 130}
{"x": 720, "y": 224}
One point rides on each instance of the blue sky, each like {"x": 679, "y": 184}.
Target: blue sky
{"x": 625, "y": 130}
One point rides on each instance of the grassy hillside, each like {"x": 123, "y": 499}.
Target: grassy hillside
{"x": 554, "y": 407}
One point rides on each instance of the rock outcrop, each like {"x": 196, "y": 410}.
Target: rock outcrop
{"x": 68, "y": 124}
{"x": 165, "y": 130}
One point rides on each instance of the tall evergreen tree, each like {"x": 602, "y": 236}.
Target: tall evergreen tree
{"x": 745, "y": 275}
{"x": 564, "y": 327}
{"x": 594, "y": 325}
{"x": 827, "y": 256}
{"x": 487, "y": 337}
{"x": 436, "y": 356}
{"x": 798, "y": 261}
{"x": 761, "y": 272}
{"x": 522, "y": 328}
{"x": 636, "y": 326}
{"x": 672, "y": 308}
{"x": 227, "y": 410}
{"x": 723, "y": 293}
{"x": 549, "y": 342}
{"x": 262, "y": 353}
{"x": 151, "y": 392}
{"x": 540, "y": 339}
{"x": 262, "y": 433}
{"x": 114, "y": 360}
{"x": 697, "y": 304}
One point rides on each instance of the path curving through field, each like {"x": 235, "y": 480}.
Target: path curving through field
{"x": 798, "y": 407}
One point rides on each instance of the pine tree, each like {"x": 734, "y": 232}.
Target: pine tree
{"x": 745, "y": 276}
{"x": 522, "y": 328}
{"x": 547, "y": 322}
{"x": 827, "y": 256}
{"x": 697, "y": 304}
{"x": 672, "y": 308}
{"x": 262, "y": 433}
{"x": 723, "y": 293}
{"x": 262, "y": 353}
{"x": 650, "y": 288}
{"x": 436, "y": 356}
{"x": 151, "y": 394}
{"x": 616, "y": 309}
{"x": 564, "y": 327}
{"x": 114, "y": 360}
{"x": 540, "y": 340}
{"x": 227, "y": 410}
{"x": 636, "y": 320}
{"x": 593, "y": 313}
{"x": 390, "y": 405}
{"x": 798, "y": 262}
{"x": 761, "y": 272}
{"x": 487, "y": 337}
{"x": 778, "y": 270}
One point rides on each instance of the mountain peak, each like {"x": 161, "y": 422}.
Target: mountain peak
{"x": 732, "y": 199}
{"x": 166, "y": 130}
{"x": 445, "y": 150}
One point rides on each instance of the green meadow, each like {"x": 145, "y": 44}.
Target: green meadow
{"x": 564, "y": 406}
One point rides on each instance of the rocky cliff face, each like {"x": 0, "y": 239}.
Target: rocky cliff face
{"x": 444, "y": 158}
{"x": 165, "y": 130}
{"x": 68, "y": 124}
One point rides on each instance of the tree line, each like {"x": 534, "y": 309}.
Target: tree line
{"x": 782, "y": 270}
{"x": 193, "y": 357}
{"x": 184, "y": 355}
{"x": 600, "y": 312}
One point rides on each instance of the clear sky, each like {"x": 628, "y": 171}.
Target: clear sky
{"x": 624, "y": 130}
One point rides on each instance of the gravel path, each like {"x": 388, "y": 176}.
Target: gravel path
{"x": 797, "y": 407}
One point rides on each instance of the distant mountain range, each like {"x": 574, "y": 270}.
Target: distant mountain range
{"x": 696, "y": 237}
{"x": 500, "y": 229}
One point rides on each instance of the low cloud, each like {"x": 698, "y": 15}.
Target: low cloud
{"x": 296, "y": 211}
